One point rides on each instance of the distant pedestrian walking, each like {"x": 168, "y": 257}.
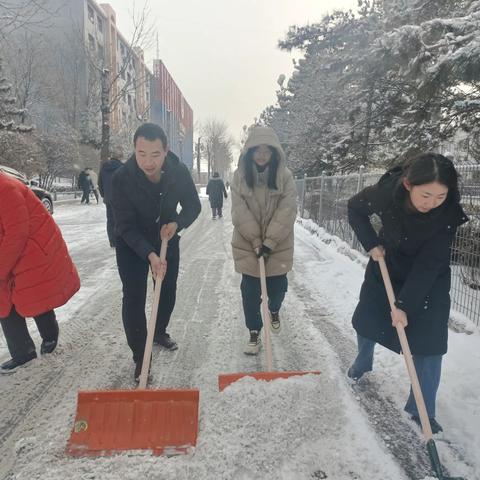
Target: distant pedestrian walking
{"x": 94, "y": 179}
{"x": 85, "y": 184}
{"x": 216, "y": 191}
{"x": 105, "y": 187}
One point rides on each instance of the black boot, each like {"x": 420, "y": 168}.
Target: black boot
{"x": 165, "y": 341}
{"x": 18, "y": 361}
{"x": 434, "y": 425}
{"x": 138, "y": 371}
{"x": 48, "y": 346}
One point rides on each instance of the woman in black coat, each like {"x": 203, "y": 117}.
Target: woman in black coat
{"x": 418, "y": 205}
{"x": 216, "y": 191}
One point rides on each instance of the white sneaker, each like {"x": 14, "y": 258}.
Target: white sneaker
{"x": 275, "y": 322}
{"x": 253, "y": 346}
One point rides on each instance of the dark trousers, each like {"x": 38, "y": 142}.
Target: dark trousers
{"x": 95, "y": 194}
{"x": 250, "y": 287}
{"x": 18, "y": 339}
{"x": 85, "y": 196}
{"x": 134, "y": 273}
{"x": 216, "y": 211}
{"x": 428, "y": 367}
{"x": 110, "y": 225}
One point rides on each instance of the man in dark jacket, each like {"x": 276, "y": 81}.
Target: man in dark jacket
{"x": 105, "y": 187}
{"x": 85, "y": 184}
{"x": 216, "y": 191}
{"x": 146, "y": 193}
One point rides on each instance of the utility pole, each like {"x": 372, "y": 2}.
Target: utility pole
{"x": 105, "y": 109}
{"x": 208, "y": 160}
{"x": 198, "y": 157}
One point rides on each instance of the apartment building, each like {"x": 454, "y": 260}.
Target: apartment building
{"x": 171, "y": 110}
{"x": 81, "y": 42}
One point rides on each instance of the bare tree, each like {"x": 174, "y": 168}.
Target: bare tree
{"x": 15, "y": 14}
{"x": 26, "y": 66}
{"x": 218, "y": 145}
{"x": 111, "y": 94}
{"x": 9, "y": 111}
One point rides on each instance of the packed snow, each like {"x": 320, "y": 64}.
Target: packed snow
{"x": 310, "y": 427}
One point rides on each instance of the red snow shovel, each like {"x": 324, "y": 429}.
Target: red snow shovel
{"x": 163, "y": 421}
{"x": 417, "y": 392}
{"x": 224, "y": 380}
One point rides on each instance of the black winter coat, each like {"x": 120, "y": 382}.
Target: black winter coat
{"x": 85, "y": 182}
{"x": 105, "y": 178}
{"x": 216, "y": 191}
{"x": 417, "y": 249}
{"x": 141, "y": 207}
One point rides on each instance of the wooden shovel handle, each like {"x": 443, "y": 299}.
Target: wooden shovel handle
{"x": 152, "y": 322}
{"x": 266, "y": 313}
{"x": 407, "y": 355}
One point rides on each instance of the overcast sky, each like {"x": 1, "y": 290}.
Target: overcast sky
{"x": 223, "y": 53}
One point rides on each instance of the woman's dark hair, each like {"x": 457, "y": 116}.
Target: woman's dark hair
{"x": 432, "y": 167}
{"x": 272, "y": 167}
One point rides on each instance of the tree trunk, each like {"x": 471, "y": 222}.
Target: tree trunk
{"x": 198, "y": 158}
{"x": 105, "y": 144}
{"x": 208, "y": 162}
{"x": 368, "y": 127}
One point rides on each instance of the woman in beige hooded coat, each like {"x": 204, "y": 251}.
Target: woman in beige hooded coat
{"x": 263, "y": 216}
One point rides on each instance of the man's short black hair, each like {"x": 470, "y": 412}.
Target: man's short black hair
{"x": 151, "y": 132}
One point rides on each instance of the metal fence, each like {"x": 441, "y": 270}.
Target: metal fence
{"x": 324, "y": 201}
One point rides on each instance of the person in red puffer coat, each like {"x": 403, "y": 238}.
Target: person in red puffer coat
{"x": 36, "y": 271}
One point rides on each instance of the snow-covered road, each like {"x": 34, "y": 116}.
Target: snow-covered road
{"x": 310, "y": 427}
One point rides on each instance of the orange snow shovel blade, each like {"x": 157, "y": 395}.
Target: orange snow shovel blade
{"x": 224, "y": 380}
{"x": 162, "y": 421}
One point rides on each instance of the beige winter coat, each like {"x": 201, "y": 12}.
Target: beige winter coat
{"x": 262, "y": 215}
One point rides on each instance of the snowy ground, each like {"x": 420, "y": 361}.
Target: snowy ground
{"x": 309, "y": 427}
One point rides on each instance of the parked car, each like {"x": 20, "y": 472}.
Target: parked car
{"x": 44, "y": 195}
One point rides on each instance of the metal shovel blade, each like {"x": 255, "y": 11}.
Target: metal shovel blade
{"x": 162, "y": 421}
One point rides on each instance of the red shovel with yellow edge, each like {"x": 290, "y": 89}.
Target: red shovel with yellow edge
{"x": 225, "y": 379}
{"x": 162, "y": 421}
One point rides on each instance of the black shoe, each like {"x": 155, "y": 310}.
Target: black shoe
{"x": 138, "y": 371}
{"x": 17, "y": 362}
{"x": 434, "y": 425}
{"x": 353, "y": 375}
{"x": 48, "y": 346}
{"x": 165, "y": 341}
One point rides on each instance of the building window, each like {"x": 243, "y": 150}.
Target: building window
{"x": 100, "y": 24}
{"x": 91, "y": 42}
{"x": 129, "y": 100}
{"x": 91, "y": 15}
{"x": 100, "y": 50}
{"x": 129, "y": 79}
